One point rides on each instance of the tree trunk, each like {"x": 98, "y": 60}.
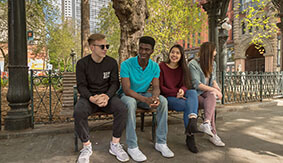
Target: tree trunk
{"x": 85, "y": 31}
{"x": 132, "y": 15}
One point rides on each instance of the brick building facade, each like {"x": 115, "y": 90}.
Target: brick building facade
{"x": 249, "y": 58}
{"x": 242, "y": 55}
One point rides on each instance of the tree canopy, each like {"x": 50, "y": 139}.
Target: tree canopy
{"x": 62, "y": 39}
{"x": 39, "y": 14}
{"x": 168, "y": 23}
{"x": 259, "y": 20}
{"x": 171, "y": 21}
{"x": 109, "y": 26}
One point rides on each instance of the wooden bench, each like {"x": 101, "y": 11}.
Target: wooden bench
{"x": 139, "y": 111}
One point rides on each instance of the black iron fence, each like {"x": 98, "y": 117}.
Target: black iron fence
{"x": 46, "y": 91}
{"x": 46, "y": 95}
{"x": 242, "y": 87}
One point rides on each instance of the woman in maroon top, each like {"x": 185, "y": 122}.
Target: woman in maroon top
{"x": 174, "y": 83}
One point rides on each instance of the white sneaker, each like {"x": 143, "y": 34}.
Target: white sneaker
{"x": 165, "y": 151}
{"x": 136, "y": 154}
{"x": 206, "y": 128}
{"x": 85, "y": 153}
{"x": 118, "y": 151}
{"x": 216, "y": 141}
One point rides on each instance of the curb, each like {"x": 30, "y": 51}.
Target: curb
{"x": 37, "y": 131}
{"x": 245, "y": 106}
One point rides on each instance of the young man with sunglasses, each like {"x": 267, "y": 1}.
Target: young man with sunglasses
{"x": 137, "y": 74}
{"x": 97, "y": 81}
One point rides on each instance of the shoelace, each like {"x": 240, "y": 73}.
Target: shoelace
{"x": 217, "y": 138}
{"x": 119, "y": 147}
{"x": 138, "y": 152}
{"x": 84, "y": 152}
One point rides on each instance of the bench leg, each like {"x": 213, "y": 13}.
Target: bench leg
{"x": 153, "y": 126}
{"x": 142, "y": 122}
{"x": 215, "y": 116}
{"x": 76, "y": 142}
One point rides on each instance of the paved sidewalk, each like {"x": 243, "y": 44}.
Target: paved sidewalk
{"x": 252, "y": 133}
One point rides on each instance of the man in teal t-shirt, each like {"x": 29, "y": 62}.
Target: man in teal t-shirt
{"x": 137, "y": 74}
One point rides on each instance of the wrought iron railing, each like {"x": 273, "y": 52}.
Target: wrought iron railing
{"x": 46, "y": 95}
{"x": 47, "y": 91}
{"x": 251, "y": 86}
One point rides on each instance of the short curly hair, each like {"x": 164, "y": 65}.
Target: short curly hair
{"x": 148, "y": 40}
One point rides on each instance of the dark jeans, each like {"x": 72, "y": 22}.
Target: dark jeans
{"x": 85, "y": 108}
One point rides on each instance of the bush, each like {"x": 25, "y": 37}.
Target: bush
{"x": 4, "y": 82}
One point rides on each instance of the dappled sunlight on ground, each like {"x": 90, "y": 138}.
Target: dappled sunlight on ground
{"x": 213, "y": 156}
{"x": 247, "y": 156}
{"x": 266, "y": 132}
{"x": 236, "y": 123}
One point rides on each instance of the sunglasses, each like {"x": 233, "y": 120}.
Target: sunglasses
{"x": 102, "y": 46}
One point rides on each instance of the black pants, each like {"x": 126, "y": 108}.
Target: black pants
{"x": 85, "y": 108}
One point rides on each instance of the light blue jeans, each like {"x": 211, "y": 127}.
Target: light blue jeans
{"x": 188, "y": 105}
{"x": 162, "y": 116}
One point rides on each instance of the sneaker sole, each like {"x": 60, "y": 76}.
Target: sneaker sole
{"x": 216, "y": 144}
{"x": 79, "y": 156}
{"x": 162, "y": 153}
{"x": 137, "y": 160}
{"x": 111, "y": 152}
{"x": 208, "y": 133}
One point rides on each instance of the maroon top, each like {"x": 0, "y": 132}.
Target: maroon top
{"x": 171, "y": 80}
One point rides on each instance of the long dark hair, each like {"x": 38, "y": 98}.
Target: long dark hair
{"x": 182, "y": 62}
{"x": 206, "y": 58}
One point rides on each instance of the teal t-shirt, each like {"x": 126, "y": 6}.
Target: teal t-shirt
{"x": 140, "y": 79}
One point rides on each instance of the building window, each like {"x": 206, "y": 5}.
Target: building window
{"x": 194, "y": 40}
{"x": 250, "y": 29}
{"x": 278, "y": 50}
{"x": 232, "y": 30}
{"x": 243, "y": 28}
{"x": 199, "y": 39}
{"x": 246, "y": 3}
{"x": 188, "y": 42}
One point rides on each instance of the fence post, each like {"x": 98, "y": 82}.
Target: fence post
{"x": 223, "y": 92}
{"x": 0, "y": 100}
{"x": 260, "y": 85}
{"x": 281, "y": 79}
{"x": 31, "y": 95}
{"x": 50, "y": 93}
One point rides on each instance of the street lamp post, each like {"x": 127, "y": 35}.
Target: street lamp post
{"x": 223, "y": 29}
{"x": 73, "y": 54}
{"x": 18, "y": 94}
{"x": 216, "y": 10}
{"x": 279, "y": 5}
